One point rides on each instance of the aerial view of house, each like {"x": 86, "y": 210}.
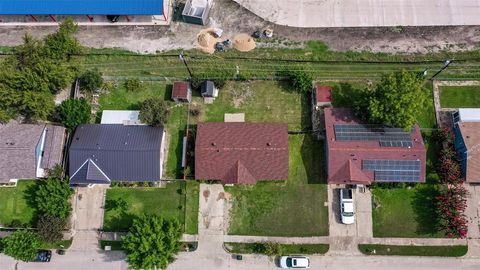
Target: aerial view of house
{"x": 28, "y": 151}
{"x": 467, "y": 142}
{"x": 100, "y": 154}
{"x": 241, "y": 153}
{"x": 359, "y": 153}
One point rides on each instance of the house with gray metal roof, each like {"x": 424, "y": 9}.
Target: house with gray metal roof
{"x": 28, "y": 151}
{"x": 100, "y": 154}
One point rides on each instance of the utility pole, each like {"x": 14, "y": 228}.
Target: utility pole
{"x": 182, "y": 57}
{"x": 445, "y": 65}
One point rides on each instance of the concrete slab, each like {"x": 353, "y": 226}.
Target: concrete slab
{"x": 354, "y": 13}
{"x": 235, "y": 117}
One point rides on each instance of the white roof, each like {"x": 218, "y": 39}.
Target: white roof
{"x": 119, "y": 117}
{"x": 469, "y": 115}
{"x": 348, "y": 207}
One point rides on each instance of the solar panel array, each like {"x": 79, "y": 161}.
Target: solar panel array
{"x": 393, "y": 170}
{"x": 387, "y": 137}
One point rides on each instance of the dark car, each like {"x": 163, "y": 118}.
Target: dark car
{"x": 43, "y": 256}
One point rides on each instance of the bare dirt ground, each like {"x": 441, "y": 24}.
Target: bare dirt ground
{"x": 234, "y": 19}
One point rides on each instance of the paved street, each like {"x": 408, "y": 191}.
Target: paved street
{"x": 353, "y": 13}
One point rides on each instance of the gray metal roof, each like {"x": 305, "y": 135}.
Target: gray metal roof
{"x": 122, "y": 153}
{"x": 207, "y": 88}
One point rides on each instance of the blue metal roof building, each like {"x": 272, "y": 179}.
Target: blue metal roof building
{"x": 81, "y": 7}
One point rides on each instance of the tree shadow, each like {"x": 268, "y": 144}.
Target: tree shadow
{"x": 425, "y": 210}
{"x": 344, "y": 95}
{"x": 313, "y": 156}
{"x": 306, "y": 104}
{"x": 121, "y": 222}
{"x": 168, "y": 92}
{"x": 30, "y": 198}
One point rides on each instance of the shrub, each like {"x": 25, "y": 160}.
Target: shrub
{"x": 300, "y": 80}
{"x": 133, "y": 85}
{"x": 73, "y": 112}
{"x": 50, "y": 229}
{"x": 91, "y": 80}
{"x": 154, "y": 111}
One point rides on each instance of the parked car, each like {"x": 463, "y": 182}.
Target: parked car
{"x": 43, "y": 256}
{"x": 294, "y": 262}
{"x": 347, "y": 211}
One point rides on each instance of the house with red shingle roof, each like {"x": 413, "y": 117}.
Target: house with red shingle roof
{"x": 359, "y": 153}
{"x": 241, "y": 153}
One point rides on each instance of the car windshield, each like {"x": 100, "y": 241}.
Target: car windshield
{"x": 348, "y": 214}
{"x": 289, "y": 262}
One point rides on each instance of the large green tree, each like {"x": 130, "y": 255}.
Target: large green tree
{"x": 91, "y": 80}
{"x": 21, "y": 245}
{"x": 73, "y": 112}
{"x": 154, "y": 111}
{"x": 396, "y": 100}
{"x": 50, "y": 229}
{"x": 152, "y": 242}
{"x": 53, "y": 198}
{"x": 36, "y": 105}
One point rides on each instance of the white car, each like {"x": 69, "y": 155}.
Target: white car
{"x": 347, "y": 211}
{"x": 295, "y": 262}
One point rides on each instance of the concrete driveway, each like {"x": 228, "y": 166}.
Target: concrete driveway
{"x": 354, "y": 13}
{"x": 88, "y": 209}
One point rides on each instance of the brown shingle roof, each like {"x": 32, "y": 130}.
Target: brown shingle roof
{"x": 345, "y": 157}
{"x": 241, "y": 152}
{"x": 180, "y": 90}
{"x": 471, "y": 136}
{"x": 17, "y": 149}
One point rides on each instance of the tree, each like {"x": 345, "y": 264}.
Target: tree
{"x": 396, "y": 100}
{"x": 91, "y": 80}
{"x": 21, "y": 245}
{"x": 73, "y": 112}
{"x": 300, "y": 80}
{"x": 152, "y": 242}
{"x": 154, "y": 111}
{"x": 50, "y": 229}
{"x": 36, "y": 105}
{"x": 62, "y": 44}
{"x": 133, "y": 85}
{"x": 53, "y": 198}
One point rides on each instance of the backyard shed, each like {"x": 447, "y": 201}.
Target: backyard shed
{"x": 181, "y": 92}
{"x": 208, "y": 91}
{"x": 321, "y": 96}
{"x": 196, "y": 11}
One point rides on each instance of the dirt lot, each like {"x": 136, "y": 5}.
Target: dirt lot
{"x": 229, "y": 16}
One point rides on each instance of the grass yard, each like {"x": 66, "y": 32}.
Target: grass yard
{"x": 438, "y": 251}
{"x": 286, "y": 249}
{"x": 460, "y": 96}
{"x": 14, "y": 203}
{"x": 168, "y": 202}
{"x": 344, "y": 94}
{"x": 405, "y": 212}
{"x": 291, "y": 208}
{"x": 261, "y": 101}
{"x": 191, "y": 207}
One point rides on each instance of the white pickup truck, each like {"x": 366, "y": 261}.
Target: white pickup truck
{"x": 347, "y": 211}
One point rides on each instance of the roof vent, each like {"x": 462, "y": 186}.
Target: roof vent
{"x": 468, "y": 137}
{"x": 125, "y": 143}
{"x": 218, "y": 150}
{"x": 213, "y": 144}
{"x": 352, "y": 155}
{"x": 269, "y": 144}
{"x": 77, "y": 138}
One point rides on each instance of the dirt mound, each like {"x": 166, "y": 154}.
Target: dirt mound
{"x": 206, "y": 40}
{"x": 244, "y": 42}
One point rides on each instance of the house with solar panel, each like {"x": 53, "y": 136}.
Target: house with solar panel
{"x": 359, "y": 153}
{"x": 86, "y": 12}
{"x": 105, "y": 153}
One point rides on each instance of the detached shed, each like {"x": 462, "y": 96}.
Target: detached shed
{"x": 322, "y": 96}
{"x": 196, "y": 11}
{"x": 208, "y": 91}
{"x": 181, "y": 92}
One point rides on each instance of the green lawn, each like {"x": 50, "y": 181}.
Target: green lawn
{"x": 460, "y": 96}
{"x": 168, "y": 202}
{"x": 191, "y": 207}
{"x": 261, "y": 101}
{"x": 291, "y": 208}
{"x": 286, "y": 249}
{"x": 63, "y": 244}
{"x": 14, "y": 203}
{"x": 439, "y": 251}
{"x": 405, "y": 212}
{"x": 344, "y": 94}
